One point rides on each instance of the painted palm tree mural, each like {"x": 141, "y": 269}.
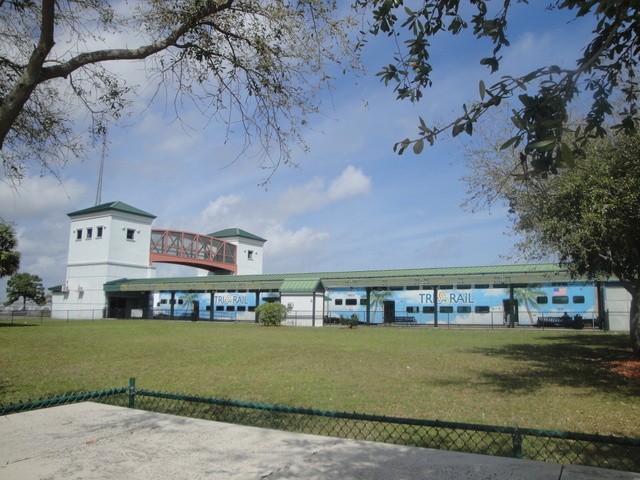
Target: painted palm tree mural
{"x": 377, "y": 299}
{"x": 528, "y": 298}
{"x": 188, "y": 302}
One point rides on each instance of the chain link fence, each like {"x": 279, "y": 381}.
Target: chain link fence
{"x": 620, "y": 453}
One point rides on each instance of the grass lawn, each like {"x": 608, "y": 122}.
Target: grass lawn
{"x": 552, "y": 379}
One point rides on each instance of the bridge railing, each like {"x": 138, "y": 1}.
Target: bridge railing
{"x": 192, "y": 246}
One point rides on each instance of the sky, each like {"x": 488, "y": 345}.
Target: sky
{"x": 351, "y": 203}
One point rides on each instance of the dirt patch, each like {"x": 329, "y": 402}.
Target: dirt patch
{"x": 627, "y": 368}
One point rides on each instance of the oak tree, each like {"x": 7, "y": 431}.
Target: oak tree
{"x": 587, "y": 215}
{"x": 254, "y": 64}
{"x": 27, "y": 286}
{"x": 9, "y": 256}
{"x": 541, "y": 129}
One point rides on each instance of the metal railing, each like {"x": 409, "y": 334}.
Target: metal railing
{"x": 620, "y": 453}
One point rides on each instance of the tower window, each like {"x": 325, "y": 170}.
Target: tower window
{"x": 99, "y": 232}
{"x": 250, "y": 255}
{"x": 89, "y": 233}
{"x": 79, "y": 234}
{"x": 130, "y": 233}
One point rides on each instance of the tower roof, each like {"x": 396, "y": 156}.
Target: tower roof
{"x": 236, "y": 232}
{"x": 117, "y": 206}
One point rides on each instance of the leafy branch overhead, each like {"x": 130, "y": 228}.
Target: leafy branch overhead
{"x": 254, "y": 65}
{"x": 606, "y": 71}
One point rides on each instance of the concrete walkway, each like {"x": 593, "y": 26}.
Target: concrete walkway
{"x": 95, "y": 441}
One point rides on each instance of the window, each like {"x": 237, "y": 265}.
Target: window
{"x": 231, "y": 308}
{"x": 363, "y": 301}
{"x": 99, "y": 232}
{"x": 163, "y": 301}
{"x": 79, "y": 234}
{"x": 482, "y": 309}
{"x": 130, "y": 233}
{"x": 219, "y": 308}
{"x": 413, "y": 309}
{"x": 464, "y": 309}
{"x": 338, "y": 301}
{"x": 542, "y": 300}
{"x": 351, "y": 301}
{"x": 560, "y": 300}
{"x": 428, "y": 309}
{"x": 252, "y": 308}
{"x": 447, "y": 309}
{"x": 180, "y": 301}
{"x": 578, "y": 299}
{"x": 89, "y": 233}
{"x": 242, "y": 308}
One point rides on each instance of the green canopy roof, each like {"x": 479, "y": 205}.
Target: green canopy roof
{"x": 300, "y": 285}
{"x": 378, "y": 279}
{"x": 236, "y": 232}
{"x": 117, "y": 206}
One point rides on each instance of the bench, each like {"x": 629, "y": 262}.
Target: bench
{"x": 404, "y": 320}
{"x": 565, "y": 321}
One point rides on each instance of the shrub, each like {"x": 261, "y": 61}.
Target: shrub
{"x": 271, "y": 313}
{"x": 350, "y": 322}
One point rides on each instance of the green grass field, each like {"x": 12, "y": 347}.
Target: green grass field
{"x": 551, "y": 379}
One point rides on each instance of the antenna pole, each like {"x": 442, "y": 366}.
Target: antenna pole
{"x": 102, "y": 156}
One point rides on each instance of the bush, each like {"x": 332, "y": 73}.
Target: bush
{"x": 350, "y": 322}
{"x": 271, "y": 313}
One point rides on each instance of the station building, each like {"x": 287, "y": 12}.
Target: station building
{"x": 113, "y": 249}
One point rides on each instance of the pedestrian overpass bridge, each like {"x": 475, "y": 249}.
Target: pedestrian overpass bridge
{"x": 193, "y": 250}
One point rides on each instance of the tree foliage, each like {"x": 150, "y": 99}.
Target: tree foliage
{"x": 254, "y": 64}
{"x": 9, "y": 256}
{"x": 271, "y": 313}
{"x": 587, "y": 215}
{"x": 606, "y": 70}
{"x": 26, "y": 286}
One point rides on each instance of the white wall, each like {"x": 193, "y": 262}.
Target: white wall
{"x": 94, "y": 261}
{"x": 618, "y": 302}
{"x": 249, "y": 256}
{"x": 300, "y": 309}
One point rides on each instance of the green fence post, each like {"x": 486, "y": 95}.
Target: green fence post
{"x": 132, "y": 392}
{"x": 517, "y": 443}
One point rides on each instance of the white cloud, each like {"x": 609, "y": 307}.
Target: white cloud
{"x": 222, "y": 211}
{"x": 289, "y": 243}
{"x": 315, "y": 194}
{"x": 38, "y": 196}
{"x": 351, "y": 183}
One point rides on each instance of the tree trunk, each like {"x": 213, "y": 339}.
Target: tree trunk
{"x": 634, "y": 321}
{"x": 18, "y": 96}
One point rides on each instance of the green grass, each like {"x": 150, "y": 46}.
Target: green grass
{"x": 530, "y": 378}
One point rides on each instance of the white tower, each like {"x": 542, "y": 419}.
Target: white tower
{"x": 249, "y": 252}
{"x": 106, "y": 242}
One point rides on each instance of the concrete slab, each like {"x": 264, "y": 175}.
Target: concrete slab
{"x": 98, "y": 441}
